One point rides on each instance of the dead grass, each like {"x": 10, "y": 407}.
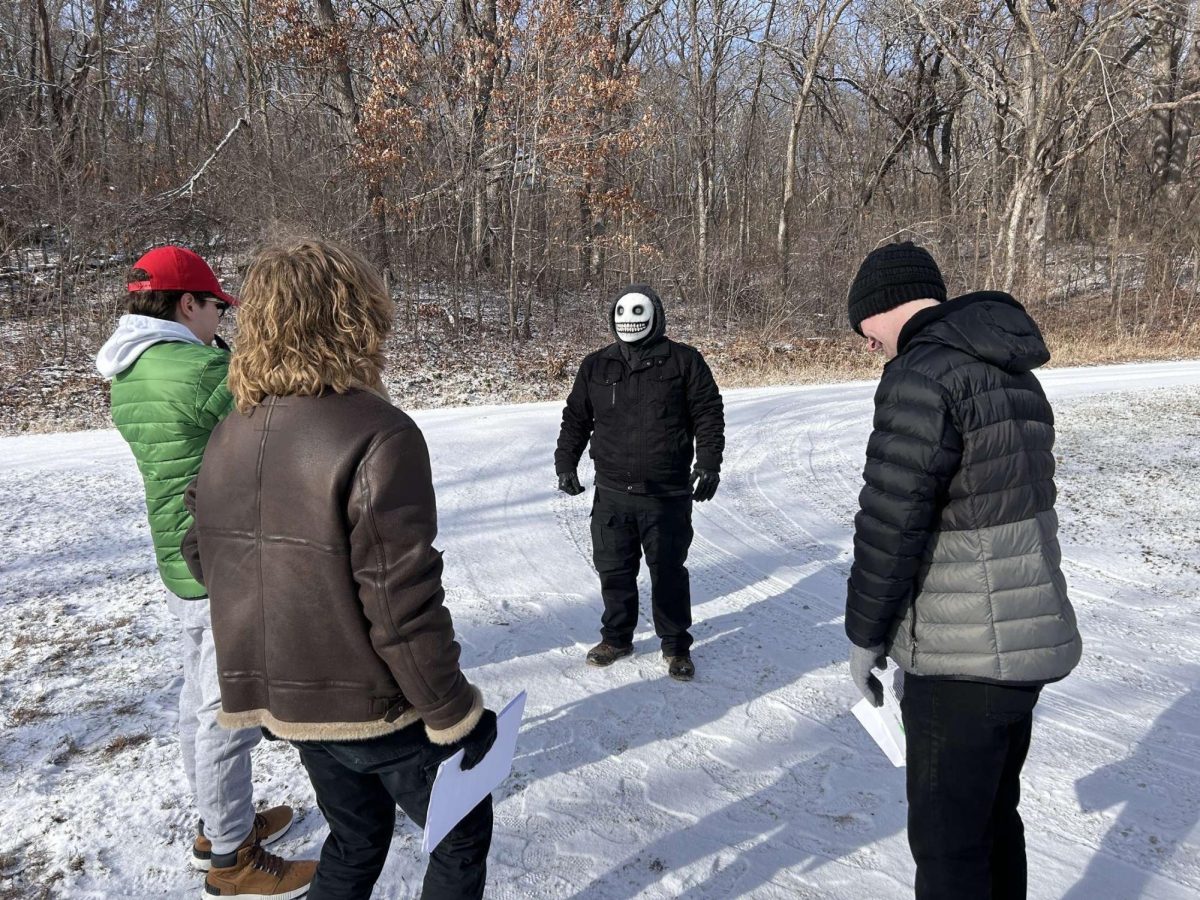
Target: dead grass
{"x": 1089, "y": 346}
{"x": 24, "y": 875}
{"x": 1081, "y": 332}
{"x": 803, "y": 360}
{"x": 28, "y": 715}
{"x": 445, "y": 369}
{"x": 124, "y": 742}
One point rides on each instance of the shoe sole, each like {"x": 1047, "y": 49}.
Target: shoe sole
{"x": 604, "y": 665}
{"x": 286, "y": 895}
{"x": 202, "y": 862}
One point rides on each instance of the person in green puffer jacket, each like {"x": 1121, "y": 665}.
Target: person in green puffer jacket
{"x": 168, "y": 393}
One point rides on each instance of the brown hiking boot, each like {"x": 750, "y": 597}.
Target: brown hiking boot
{"x": 606, "y": 654}
{"x": 680, "y": 667}
{"x": 259, "y": 875}
{"x": 269, "y": 826}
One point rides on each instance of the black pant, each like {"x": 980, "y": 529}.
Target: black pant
{"x": 967, "y": 742}
{"x": 622, "y": 526}
{"x": 358, "y": 785}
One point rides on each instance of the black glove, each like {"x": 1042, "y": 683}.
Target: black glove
{"x": 568, "y": 483}
{"x": 704, "y": 484}
{"x": 476, "y": 744}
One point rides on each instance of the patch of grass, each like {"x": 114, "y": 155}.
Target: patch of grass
{"x": 9, "y": 859}
{"x": 28, "y": 714}
{"x": 23, "y": 876}
{"x": 123, "y": 742}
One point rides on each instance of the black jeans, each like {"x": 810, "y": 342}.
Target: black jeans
{"x": 967, "y": 742}
{"x": 622, "y": 526}
{"x": 358, "y": 785}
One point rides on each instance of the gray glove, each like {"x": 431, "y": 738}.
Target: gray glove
{"x": 862, "y": 661}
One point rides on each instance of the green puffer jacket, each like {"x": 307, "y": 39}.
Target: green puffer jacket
{"x": 168, "y": 393}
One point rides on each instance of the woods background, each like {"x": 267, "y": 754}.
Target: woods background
{"x": 510, "y": 163}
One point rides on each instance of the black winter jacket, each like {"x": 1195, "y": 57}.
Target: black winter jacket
{"x": 956, "y": 557}
{"x": 646, "y": 414}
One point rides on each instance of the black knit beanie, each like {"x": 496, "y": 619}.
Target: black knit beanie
{"x": 892, "y": 275}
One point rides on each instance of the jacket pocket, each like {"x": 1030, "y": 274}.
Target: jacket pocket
{"x": 666, "y": 387}
{"x": 603, "y": 388}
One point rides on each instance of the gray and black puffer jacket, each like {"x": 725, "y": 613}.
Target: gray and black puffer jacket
{"x": 956, "y": 558}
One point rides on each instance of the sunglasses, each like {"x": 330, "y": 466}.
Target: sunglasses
{"x": 222, "y": 307}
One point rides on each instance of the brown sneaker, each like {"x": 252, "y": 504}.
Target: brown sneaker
{"x": 269, "y": 826}
{"x": 606, "y": 654}
{"x": 259, "y": 875}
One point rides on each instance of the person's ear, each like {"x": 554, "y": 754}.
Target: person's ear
{"x": 873, "y": 345}
{"x": 188, "y": 304}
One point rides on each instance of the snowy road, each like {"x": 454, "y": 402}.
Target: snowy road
{"x": 751, "y": 781}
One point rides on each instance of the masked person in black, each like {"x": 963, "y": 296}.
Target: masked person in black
{"x": 648, "y": 404}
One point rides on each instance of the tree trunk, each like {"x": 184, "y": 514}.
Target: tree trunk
{"x": 1166, "y": 50}
{"x": 1024, "y": 226}
{"x": 743, "y": 241}
{"x": 826, "y": 23}
{"x": 346, "y": 102}
{"x": 481, "y": 28}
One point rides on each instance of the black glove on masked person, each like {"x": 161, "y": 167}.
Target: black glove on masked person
{"x": 568, "y": 483}
{"x": 704, "y": 484}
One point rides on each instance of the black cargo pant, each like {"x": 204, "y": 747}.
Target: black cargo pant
{"x": 623, "y": 525}
{"x": 358, "y": 785}
{"x": 967, "y": 742}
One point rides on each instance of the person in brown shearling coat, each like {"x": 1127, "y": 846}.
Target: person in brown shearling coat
{"x": 315, "y": 520}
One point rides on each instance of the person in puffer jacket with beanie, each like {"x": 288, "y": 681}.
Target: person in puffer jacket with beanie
{"x": 168, "y": 393}
{"x": 314, "y": 527}
{"x": 956, "y": 573}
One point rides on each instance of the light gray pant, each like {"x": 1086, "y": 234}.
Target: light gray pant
{"x": 216, "y": 759}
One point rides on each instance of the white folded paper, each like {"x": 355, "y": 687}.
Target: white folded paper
{"x": 884, "y": 724}
{"x": 455, "y": 792}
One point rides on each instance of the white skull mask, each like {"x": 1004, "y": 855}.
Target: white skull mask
{"x": 633, "y": 317}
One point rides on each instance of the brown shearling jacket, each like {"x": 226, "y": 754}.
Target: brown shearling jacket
{"x": 315, "y": 520}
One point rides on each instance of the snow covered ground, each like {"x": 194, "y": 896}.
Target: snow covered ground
{"x": 754, "y": 780}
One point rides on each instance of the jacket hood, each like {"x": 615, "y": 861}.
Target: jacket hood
{"x": 134, "y": 335}
{"x": 989, "y": 325}
{"x": 657, "y": 331}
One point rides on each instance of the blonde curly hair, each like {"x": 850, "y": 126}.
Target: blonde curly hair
{"x": 313, "y": 317}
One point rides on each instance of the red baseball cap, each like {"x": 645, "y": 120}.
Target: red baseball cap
{"x": 178, "y": 269}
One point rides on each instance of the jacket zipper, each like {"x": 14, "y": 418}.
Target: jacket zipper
{"x": 912, "y": 636}
{"x": 614, "y": 400}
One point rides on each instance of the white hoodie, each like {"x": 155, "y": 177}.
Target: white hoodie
{"x": 134, "y": 335}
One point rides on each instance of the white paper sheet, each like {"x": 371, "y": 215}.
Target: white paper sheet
{"x": 883, "y": 724}
{"x": 455, "y": 792}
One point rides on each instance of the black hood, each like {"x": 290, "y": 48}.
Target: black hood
{"x": 657, "y": 331}
{"x": 989, "y": 325}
